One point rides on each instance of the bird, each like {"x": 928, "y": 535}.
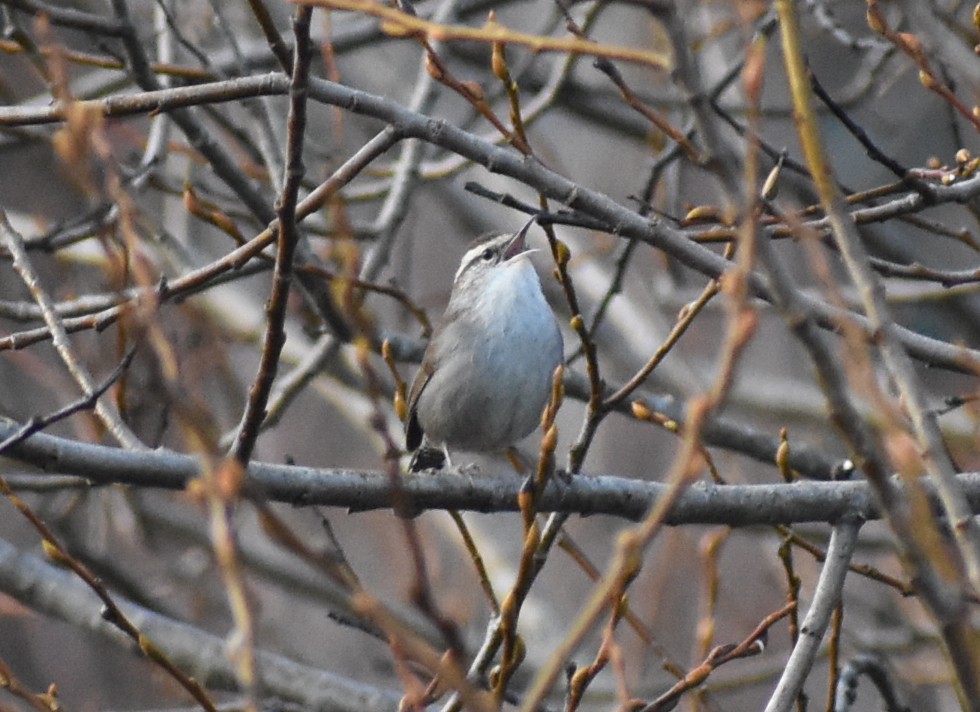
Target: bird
{"x": 486, "y": 373}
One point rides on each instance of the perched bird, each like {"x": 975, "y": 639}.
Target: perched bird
{"x": 486, "y": 373}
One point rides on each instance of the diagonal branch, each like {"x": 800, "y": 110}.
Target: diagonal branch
{"x": 56, "y": 592}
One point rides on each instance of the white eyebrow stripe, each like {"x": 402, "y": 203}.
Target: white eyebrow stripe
{"x": 468, "y": 259}
{"x": 475, "y": 253}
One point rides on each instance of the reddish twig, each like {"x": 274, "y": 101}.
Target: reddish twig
{"x": 752, "y": 645}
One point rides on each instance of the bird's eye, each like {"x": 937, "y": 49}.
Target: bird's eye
{"x": 486, "y": 255}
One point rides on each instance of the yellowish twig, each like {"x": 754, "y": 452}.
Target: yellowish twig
{"x": 396, "y": 23}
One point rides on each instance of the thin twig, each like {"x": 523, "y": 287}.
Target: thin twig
{"x": 111, "y": 611}
{"x": 402, "y": 24}
{"x": 106, "y": 411}
{"x": 86, "y": 402}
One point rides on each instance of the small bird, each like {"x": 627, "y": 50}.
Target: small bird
{"x": 486, "y": 373}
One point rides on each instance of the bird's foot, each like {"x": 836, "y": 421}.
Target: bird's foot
{"x": 428, "y": 458}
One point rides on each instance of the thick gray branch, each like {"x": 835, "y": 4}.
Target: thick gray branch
{"x": 734, "y": 505}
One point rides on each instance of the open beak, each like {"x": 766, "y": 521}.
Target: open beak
{"x": 516, "y": 246}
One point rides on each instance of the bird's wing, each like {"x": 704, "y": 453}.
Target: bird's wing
{"x": 413, "y": 430}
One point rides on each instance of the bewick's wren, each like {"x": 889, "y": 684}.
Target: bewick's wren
{"x": 486, "y": 373}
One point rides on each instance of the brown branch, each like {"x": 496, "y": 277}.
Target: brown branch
{"x": 40, "y": 702}
{"x": 286, "y": 239}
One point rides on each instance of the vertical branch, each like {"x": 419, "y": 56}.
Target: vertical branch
{"x": 833, "y": 655}
{"x": 792, "y": 597}
{"x": 159, "y": 135}
{"x": 223, "y": 486}
{"x": 709, "y": 552}
{"x": 275, "y": 335}
{"x": 825, "y": 599}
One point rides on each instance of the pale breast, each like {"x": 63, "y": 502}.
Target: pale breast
{"x": 494, "y": 373}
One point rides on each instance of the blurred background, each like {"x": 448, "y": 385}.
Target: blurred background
{"x": 109, "y": 206}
